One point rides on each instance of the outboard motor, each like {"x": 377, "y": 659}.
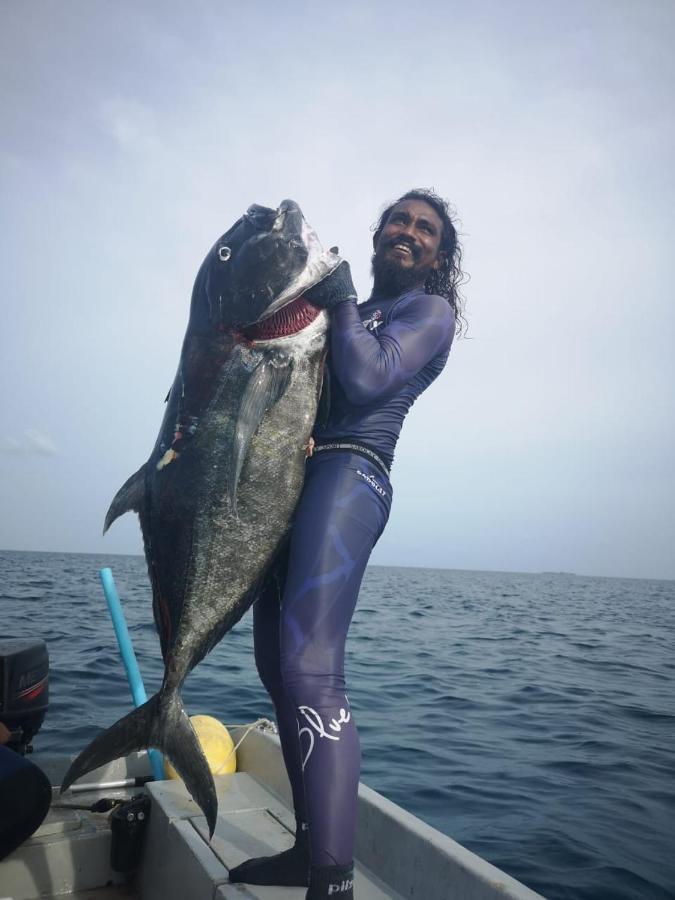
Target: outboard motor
{"x": 24, "y": 689}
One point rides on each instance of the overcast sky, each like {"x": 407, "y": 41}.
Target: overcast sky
{"x": 133, "y": 134}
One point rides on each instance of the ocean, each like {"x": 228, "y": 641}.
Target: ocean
{"x": 531, "y": 717}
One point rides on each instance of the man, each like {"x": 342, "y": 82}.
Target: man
{"x": 383, "y": 354}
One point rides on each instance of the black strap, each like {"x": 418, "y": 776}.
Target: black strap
{"x": 354, "y": 448}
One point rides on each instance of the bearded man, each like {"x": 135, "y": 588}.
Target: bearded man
{"x": 383, "y": 354}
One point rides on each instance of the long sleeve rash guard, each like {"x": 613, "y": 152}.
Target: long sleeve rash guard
{"x": 383, "y": 354}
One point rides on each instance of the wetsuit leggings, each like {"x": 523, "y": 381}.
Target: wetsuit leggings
{"x": 300, "y": 624}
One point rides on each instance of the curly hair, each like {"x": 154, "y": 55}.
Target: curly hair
{"x": 446, "y": 280}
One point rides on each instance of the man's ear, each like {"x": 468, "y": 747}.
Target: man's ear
{"x": 440, "y": 260}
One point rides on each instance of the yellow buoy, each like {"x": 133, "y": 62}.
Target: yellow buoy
{"x": 216, "y": 743}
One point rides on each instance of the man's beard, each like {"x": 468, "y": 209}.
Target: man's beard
{"x": 391, "y": 278}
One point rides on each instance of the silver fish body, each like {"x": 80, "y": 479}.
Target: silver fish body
{"x": 216, "y": 497}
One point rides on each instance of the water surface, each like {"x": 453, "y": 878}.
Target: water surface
{"x": 529, "y": 717}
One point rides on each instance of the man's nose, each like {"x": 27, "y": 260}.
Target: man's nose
{"x": 408, "y": 230}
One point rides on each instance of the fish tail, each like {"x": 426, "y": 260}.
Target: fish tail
{"x": 162, "y": 723}
{"x": 180, "y": 744}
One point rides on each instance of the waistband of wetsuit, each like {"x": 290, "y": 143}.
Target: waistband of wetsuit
{"x": 354, "y": 448}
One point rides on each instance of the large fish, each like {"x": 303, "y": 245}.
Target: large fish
{"x": 216, "y": 496}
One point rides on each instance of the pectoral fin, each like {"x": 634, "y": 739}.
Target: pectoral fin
{"x": 265, "y": 387}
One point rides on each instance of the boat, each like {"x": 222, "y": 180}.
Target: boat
{"x": 69, "y": 857}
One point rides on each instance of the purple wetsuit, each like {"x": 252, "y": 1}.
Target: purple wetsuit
{"x": 383, "y": 354}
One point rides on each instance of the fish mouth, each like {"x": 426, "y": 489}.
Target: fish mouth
{"x": 288, "y": 320}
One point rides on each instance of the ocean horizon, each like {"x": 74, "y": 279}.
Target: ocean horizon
{"x": 140, "y": 555}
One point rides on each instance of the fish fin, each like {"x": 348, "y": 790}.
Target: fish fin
{"x": 162, "y": 723}
{"x": 129, "y": 497}
{"x": 265, "y": 387}
{"x": 132, "y": 732}
{"x": 178, "y": 741}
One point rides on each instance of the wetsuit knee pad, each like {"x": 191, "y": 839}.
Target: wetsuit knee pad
{"x": 307, "y": 686}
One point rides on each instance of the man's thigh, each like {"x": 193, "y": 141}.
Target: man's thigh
{"x": 337, "y": 523}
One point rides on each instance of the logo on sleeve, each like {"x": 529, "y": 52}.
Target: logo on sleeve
{"x": 373, "y": 322}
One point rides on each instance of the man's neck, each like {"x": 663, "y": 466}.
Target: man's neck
{"x": 389, "y": 292}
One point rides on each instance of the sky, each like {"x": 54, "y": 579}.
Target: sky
{"x": 133, "y": 134}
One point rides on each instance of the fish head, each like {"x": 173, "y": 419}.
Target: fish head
{"x": 253, "y": 264}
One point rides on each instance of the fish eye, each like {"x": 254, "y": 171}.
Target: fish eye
{"x": 224, "y": 253}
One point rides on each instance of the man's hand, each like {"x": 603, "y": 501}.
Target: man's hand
{"x": 334, "y": 289}
{"x": 5, "y": 733}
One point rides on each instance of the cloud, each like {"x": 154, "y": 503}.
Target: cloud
{"x": 130, "y": 124}
{"x": 33, "y": 442}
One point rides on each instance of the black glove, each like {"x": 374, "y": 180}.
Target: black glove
{"x": 335, "y": 288}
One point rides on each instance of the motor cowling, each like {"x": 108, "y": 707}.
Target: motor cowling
{"x": 24, "y": 689}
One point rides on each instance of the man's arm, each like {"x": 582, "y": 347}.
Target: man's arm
{"x": 371, "y": 365}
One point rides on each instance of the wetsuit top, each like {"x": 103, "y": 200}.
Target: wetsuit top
{"x": 383, "y": 354}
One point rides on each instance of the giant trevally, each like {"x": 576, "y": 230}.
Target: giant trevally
{"x": 217, "y": 494}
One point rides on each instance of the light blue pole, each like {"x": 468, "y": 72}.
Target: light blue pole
{"x": 128, "y": 658}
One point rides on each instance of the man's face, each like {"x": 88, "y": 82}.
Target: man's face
{"x": 408, "y": 247}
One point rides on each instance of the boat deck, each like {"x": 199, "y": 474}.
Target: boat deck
{"x": 397, "y": 855}
{"x": 72, "y": 847}
{"x": 252, "y": 821}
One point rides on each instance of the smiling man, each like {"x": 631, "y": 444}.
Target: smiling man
{"x": 408, "y": 246}
{"x": 412, "y": 313}
{"x": 383, "y": 354}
